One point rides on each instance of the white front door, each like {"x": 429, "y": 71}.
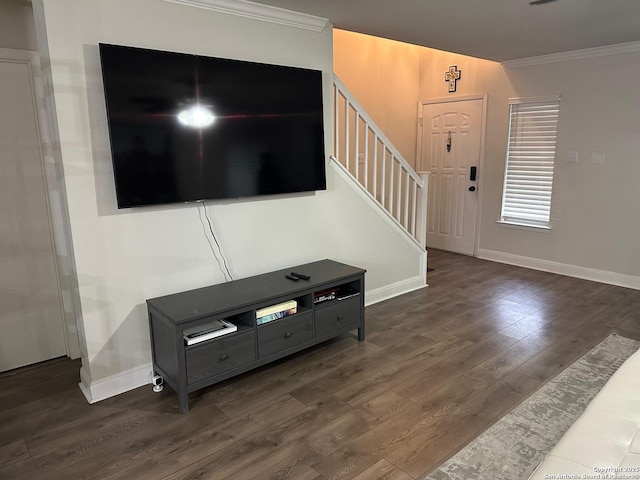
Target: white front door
{"x": 31, "y": 321}
{"x": 450, "y": 148}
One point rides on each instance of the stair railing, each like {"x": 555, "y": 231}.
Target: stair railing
{"x": 364, "y": 151}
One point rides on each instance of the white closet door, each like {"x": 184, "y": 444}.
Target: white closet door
{"x": 31, "y": 321}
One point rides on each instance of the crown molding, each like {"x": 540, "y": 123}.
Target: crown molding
{"x": 258, "y": 11}
{"x": 630, "y": 47}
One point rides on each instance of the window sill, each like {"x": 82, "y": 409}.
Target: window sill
{"x": 524, "y": 226}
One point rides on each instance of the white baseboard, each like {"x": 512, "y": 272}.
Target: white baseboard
{"x": 395, "y": 289}
{"x": 94, "y": 391}
{"x": 585, "y": 273}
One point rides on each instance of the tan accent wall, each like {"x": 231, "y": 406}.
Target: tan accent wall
{"x": 383, "y": 75}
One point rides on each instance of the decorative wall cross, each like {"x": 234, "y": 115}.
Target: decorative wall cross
{"x": 452, "y": 76}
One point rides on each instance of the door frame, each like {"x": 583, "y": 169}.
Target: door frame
{"x": 484, "y": 97}
{"x": 52, "y": 182}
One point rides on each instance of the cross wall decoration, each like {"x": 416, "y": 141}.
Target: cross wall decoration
{"x": 452, "y": 76}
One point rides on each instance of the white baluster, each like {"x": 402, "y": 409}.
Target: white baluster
{"x": 336, "y": 121}
{"x": 375, "y": 165}
{"x": 366, "y": 155}
{"x": 346, "y": 135}
{"x": 406, "y": 202}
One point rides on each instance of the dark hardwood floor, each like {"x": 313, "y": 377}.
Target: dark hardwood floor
{"x": 439, "y": 366}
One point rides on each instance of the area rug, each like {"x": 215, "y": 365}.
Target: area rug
{"x": 512, "y": 448}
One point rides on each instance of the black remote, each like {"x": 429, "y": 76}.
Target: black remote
{"x": 291, "y": 277}
{"x": 301, "y": 275}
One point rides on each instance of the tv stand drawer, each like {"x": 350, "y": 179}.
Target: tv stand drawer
{"x": 338, "y": 315}
{"x": 219, "y": 355}
{"x": 280, "y": 335}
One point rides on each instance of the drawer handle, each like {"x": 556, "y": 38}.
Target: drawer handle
{"x": 287, "y": 335}
{"x": 340, "y": 317}
{"x": 223, "y": 357}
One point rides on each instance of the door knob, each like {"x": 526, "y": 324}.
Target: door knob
{"x": 472, "y": 188}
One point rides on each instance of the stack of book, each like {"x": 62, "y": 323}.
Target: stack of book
{"x": 207, "y": 331}
{"x": 273, "y": 312}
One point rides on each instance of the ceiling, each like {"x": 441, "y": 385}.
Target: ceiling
{"x": 498, "y": 30}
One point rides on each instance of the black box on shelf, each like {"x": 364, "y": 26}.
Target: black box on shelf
{"x": 325, "y": 295}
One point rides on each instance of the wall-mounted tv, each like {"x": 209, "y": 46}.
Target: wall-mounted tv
{"x": 187, "y": 127}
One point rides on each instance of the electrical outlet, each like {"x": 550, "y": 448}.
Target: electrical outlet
{"x": 361, "y": 158}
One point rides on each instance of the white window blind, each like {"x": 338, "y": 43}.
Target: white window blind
{"x": 526, "y": 198}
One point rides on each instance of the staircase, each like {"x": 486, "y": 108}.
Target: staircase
{"x": 363, "y": 151}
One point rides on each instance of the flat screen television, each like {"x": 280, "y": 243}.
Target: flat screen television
{"x": 187, "y": 128}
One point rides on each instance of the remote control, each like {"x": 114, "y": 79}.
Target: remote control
{"x": 291, "y": 277}
{"x": 301, "y": 275}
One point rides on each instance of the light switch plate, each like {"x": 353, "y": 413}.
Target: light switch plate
{"x": 572, "y": 157}
{"x": 597, "y": 157}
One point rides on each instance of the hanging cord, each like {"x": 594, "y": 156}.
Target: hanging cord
{"x": 223, "y": 266}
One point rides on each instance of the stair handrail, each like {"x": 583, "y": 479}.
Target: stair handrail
{"x": 365, "y": 116}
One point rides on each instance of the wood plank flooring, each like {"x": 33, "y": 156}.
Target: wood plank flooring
{"x": 438, "y": 367}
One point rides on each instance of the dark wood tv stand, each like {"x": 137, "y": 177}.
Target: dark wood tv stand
{"x": 189, "y": 368}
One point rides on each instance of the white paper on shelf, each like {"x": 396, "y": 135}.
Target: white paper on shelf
{"x": 209, "y": 330}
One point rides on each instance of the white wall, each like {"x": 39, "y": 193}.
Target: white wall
{"x": 594, "y": 214}
{"x": 124, "y": 257}
{"x": 594, "y": 218}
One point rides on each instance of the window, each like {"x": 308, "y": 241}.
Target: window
{"x": 533, "y": 126}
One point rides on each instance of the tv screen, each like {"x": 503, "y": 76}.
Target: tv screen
{"x": 188, "y": 128}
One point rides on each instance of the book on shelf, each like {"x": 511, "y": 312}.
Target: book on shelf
{"x": 207, "y": 331}
{"x": 273, "y": 312}
{"x": 274, "y": 316}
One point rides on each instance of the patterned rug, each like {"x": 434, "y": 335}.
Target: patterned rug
{"x": 513, "y": 446}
